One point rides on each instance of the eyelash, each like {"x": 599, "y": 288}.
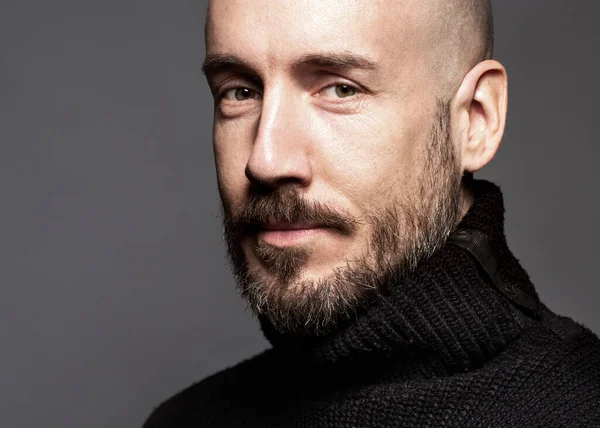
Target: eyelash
{"x": 359, "y": 91}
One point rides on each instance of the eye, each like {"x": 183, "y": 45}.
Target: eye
{"x": 340, "y": 91}
{"x": 240, "y": 94}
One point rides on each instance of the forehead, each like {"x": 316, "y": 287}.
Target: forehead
{"x": 275, "y": 32}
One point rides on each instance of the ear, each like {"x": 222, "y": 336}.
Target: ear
{"x": 479, "y": 114}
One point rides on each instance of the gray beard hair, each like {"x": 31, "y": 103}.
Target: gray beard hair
{"x": 404, "y": 234}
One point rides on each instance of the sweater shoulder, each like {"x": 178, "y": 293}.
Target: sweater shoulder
{"x": 565, "y": 376}
{"x": 570, "y": 336}
{"x": 192, "y": 405}
{"x": 564, "y": 370}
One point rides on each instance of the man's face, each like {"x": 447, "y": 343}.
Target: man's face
{"x": 333, "y": 157}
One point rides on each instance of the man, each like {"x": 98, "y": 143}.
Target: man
{"x": 345, "y": 134}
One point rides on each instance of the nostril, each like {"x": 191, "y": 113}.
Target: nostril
{"x": 256, "y": 178}
{"x": 272, "y": 164}
{"x": 267, "y": 183}
{"x": 248, "y": 173}
{"x": 260, "y": 178}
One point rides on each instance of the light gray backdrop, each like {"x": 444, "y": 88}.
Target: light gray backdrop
{"x": 115, "y": 291}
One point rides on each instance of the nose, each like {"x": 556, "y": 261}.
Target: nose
{"x": 280, "y": 154}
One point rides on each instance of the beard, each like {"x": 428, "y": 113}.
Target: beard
{"x": 402, "y": 234}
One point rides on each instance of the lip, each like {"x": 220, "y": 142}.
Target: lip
{"x": 283, "y": 226}
{"x": 282, "y": 234}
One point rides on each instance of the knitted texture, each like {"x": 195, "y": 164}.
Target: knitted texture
{"x": 447, "y": 347}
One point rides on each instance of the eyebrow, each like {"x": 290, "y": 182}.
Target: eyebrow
{"x": 216, "y": 62}
{"x": 342, "y": 61}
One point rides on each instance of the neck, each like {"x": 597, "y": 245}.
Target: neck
{"x": 467, "y": 196}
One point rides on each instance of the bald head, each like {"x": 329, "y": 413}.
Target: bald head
{"x": 458, "y": 34}
{"x": 475, "y": 17}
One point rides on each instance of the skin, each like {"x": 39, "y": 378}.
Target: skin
{"x": 282, "y": 122}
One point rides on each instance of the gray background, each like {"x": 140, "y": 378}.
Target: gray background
{"x": 115, "y": 290}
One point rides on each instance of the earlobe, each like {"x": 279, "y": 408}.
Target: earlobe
{"x": 482, "y": 100}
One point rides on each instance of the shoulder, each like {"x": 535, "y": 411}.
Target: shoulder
{"x": 562, "y": 381}
{"x": 561, "y": 345}
{"x": 205, "y": 400}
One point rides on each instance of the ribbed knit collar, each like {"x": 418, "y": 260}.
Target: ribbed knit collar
{"x": 445, "y": 316}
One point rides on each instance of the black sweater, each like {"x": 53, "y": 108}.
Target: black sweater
{"x": 462, "y": 342}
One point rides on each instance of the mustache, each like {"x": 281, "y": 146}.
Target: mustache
{"x": 286, "y": 205}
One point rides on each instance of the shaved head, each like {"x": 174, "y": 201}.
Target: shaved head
{"x": 473, "y": 18}
{"x": 462, "y": 35}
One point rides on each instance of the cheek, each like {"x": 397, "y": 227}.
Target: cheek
{"x": 232, "y": 145}
{"x": 368, "y": 155}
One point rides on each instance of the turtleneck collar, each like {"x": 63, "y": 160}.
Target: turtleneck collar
{"x": 449, "y": 313}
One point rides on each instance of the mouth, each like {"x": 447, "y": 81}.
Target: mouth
{"x": 283, "y": 234}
